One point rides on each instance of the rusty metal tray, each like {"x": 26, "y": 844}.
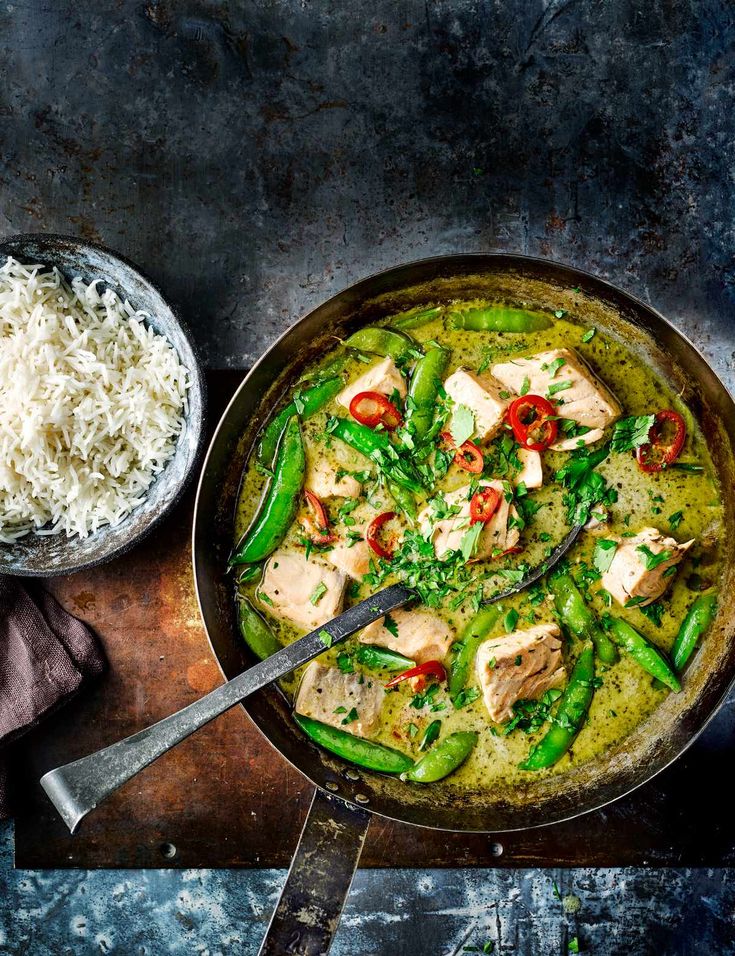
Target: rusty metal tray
{"x": 225, "y": 798}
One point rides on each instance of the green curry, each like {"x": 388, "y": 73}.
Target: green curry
{"x": 648, "y": 470}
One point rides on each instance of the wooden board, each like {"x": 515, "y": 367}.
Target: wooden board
{"x": 225, "y": 798}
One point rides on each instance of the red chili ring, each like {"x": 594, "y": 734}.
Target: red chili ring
{"x": 468, "y": 456}
{"x": 667, "y": 453}
{"x": 541, "y": 431}
{"x": 483, "y": 505}
{"x": 371, "y": 535}
{"x": 428, "y": 669}
{"x": 373, "y": 409}
{"x": 321, "y": 533}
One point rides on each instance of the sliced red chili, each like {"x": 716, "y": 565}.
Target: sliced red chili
{"x": 483, "y": 505}
{"x": 373, "y": 530}
{"x": 516, "y": 549}
{"x": 318, "y": 520}
{"x": 433, "y": 669}
{"x": 662, "y": 447}
{"x": 373, "y": 409}
{"x": 533, "y": 421}
{"x": 468, "y": 456}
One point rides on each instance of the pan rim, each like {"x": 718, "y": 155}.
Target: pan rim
{"x": 486, "y": 261}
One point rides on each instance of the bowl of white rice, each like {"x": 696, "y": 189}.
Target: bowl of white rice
{"x": 101, "y": 405}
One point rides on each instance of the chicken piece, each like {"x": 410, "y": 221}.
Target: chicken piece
{"x": 296, "y": 587}
{"x": 382, "y": 377}
{"x": 328, "y": 695}
{"x": 447, "y": 533}
{"x": 629, "y": 578}
{"x": 326, "y": 482}
{"x": 522, "y": 665}
{"x": 352, "y": 559}
{"x": 531, "y": 473}
{"x": 482, "y": 396}
{"x": 586, "y": 400}
{"x": 422, "y": 636}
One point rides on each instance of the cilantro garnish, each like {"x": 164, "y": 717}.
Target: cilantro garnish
{"x": 604, "y": 554}
{"x": 630, "y": 433}
{"x": 319, "y": 591}
{"x": 462, "y": 425}
{"x": 652, "y": 559}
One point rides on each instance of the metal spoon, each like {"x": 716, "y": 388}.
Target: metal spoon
{"x": 78, "y": 787}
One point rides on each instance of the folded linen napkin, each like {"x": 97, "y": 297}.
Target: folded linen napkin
{"x": 46, "y": 656}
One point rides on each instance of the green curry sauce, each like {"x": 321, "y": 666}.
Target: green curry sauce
{"x": 683, "y": 503}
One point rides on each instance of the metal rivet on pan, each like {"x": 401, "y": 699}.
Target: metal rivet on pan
{"x": 168, "y": 850}
{"x": 331, "y": 785}
{"x": 352, "y": 774}
{"x": 496, "y": 849}
{"x": 361, "y": 798}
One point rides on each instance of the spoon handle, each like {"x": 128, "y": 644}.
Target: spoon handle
{"x": 78, "y": 787}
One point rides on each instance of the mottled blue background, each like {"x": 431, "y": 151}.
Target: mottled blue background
{"x": 256, "y": 157}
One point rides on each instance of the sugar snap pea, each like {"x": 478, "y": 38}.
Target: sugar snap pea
{"x": 699, "y": 617}
{"x": 442, "y": 759}
{"x": 255, "y": 631}
{"x": 357, "y": 750}
{"x": 306, "y": 403}
{"x": 424, "y": 390}
{"x": 381, "y": 657}
{"x": 377, "y": 446}
{"x": 414, "y": 320}
{"x": 383, "y": 341}
{"x": 466, "y": 648}
{"x": 499, "y": 318}
{"x": 570, "y": 714}
{"x": 578, "y": 617}
{"x": 281, "y": 501}
{"x": 649, "y": 657}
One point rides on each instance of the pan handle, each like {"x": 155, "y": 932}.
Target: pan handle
{"x": 311, "y": 902}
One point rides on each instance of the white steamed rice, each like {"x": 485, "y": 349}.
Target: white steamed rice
{"x": 92, "y": 401}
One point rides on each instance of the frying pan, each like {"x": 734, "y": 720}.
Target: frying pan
{"x": 346, "y": 797}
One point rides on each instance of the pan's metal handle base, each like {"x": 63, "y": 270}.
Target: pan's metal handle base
{"x": 313, "y": 897}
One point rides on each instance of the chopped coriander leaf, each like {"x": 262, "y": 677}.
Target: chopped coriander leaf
{"x": 652, "y": 560}
{"x": 604, "y": 554}
{"x": 525, "y": 385}
{"x": 344, "y": 663}
{"x": 462, "y": 425}
{"x": 511, "y": 619}
{"x": 554, "y": 366}
{"x": 351, "y": 717}
{"x": 675, "y": 520}
{"x": 466, "y": 697}
{"x": 324, "y": 636}
{"x": 560, "y": 313}
{"x": 589, "y": 335}
{"x": 574, "y": 945}
{"x": 630, "y": 433}
{"x": 319, "y": 591}
{"x": 654, "y": 612}
{"x": 468, "y": 544}
{"x": 389, "y": 623}
{"x": 558, "y": 387}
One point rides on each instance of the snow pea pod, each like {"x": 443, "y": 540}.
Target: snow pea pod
{"x": 414, "y": 320}
{"x": 571, "y": 712}
{"x": 499, "y": 318}
{"x": 442, "y": 759}
{"x": 377, "y": 446}
{"x": 356, "y": 750}
{"x": 424, "y": 390}
{"x": 255, "y": 631}
{"x": 699, "y": 617}
{"x": 578, "y": 617}
{"x": 383, "y": 341}
{"x": 307, "y": 403}
{"x": 381, "y": 658}
{"x": 472, "y": 636}
{"x": 281, "y": 502}
{"x": 403, "y": 498}
{"x": 650, "y": 658}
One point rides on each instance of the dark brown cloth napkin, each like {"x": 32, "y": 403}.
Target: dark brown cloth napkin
{"x": 46, "y": 656}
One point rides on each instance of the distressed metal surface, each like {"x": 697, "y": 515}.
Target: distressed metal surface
{"x": 256, "y": 158}
{"x": 225, "y": 798}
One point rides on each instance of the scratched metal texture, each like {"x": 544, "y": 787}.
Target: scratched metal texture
{"x": 256, "y": 157}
